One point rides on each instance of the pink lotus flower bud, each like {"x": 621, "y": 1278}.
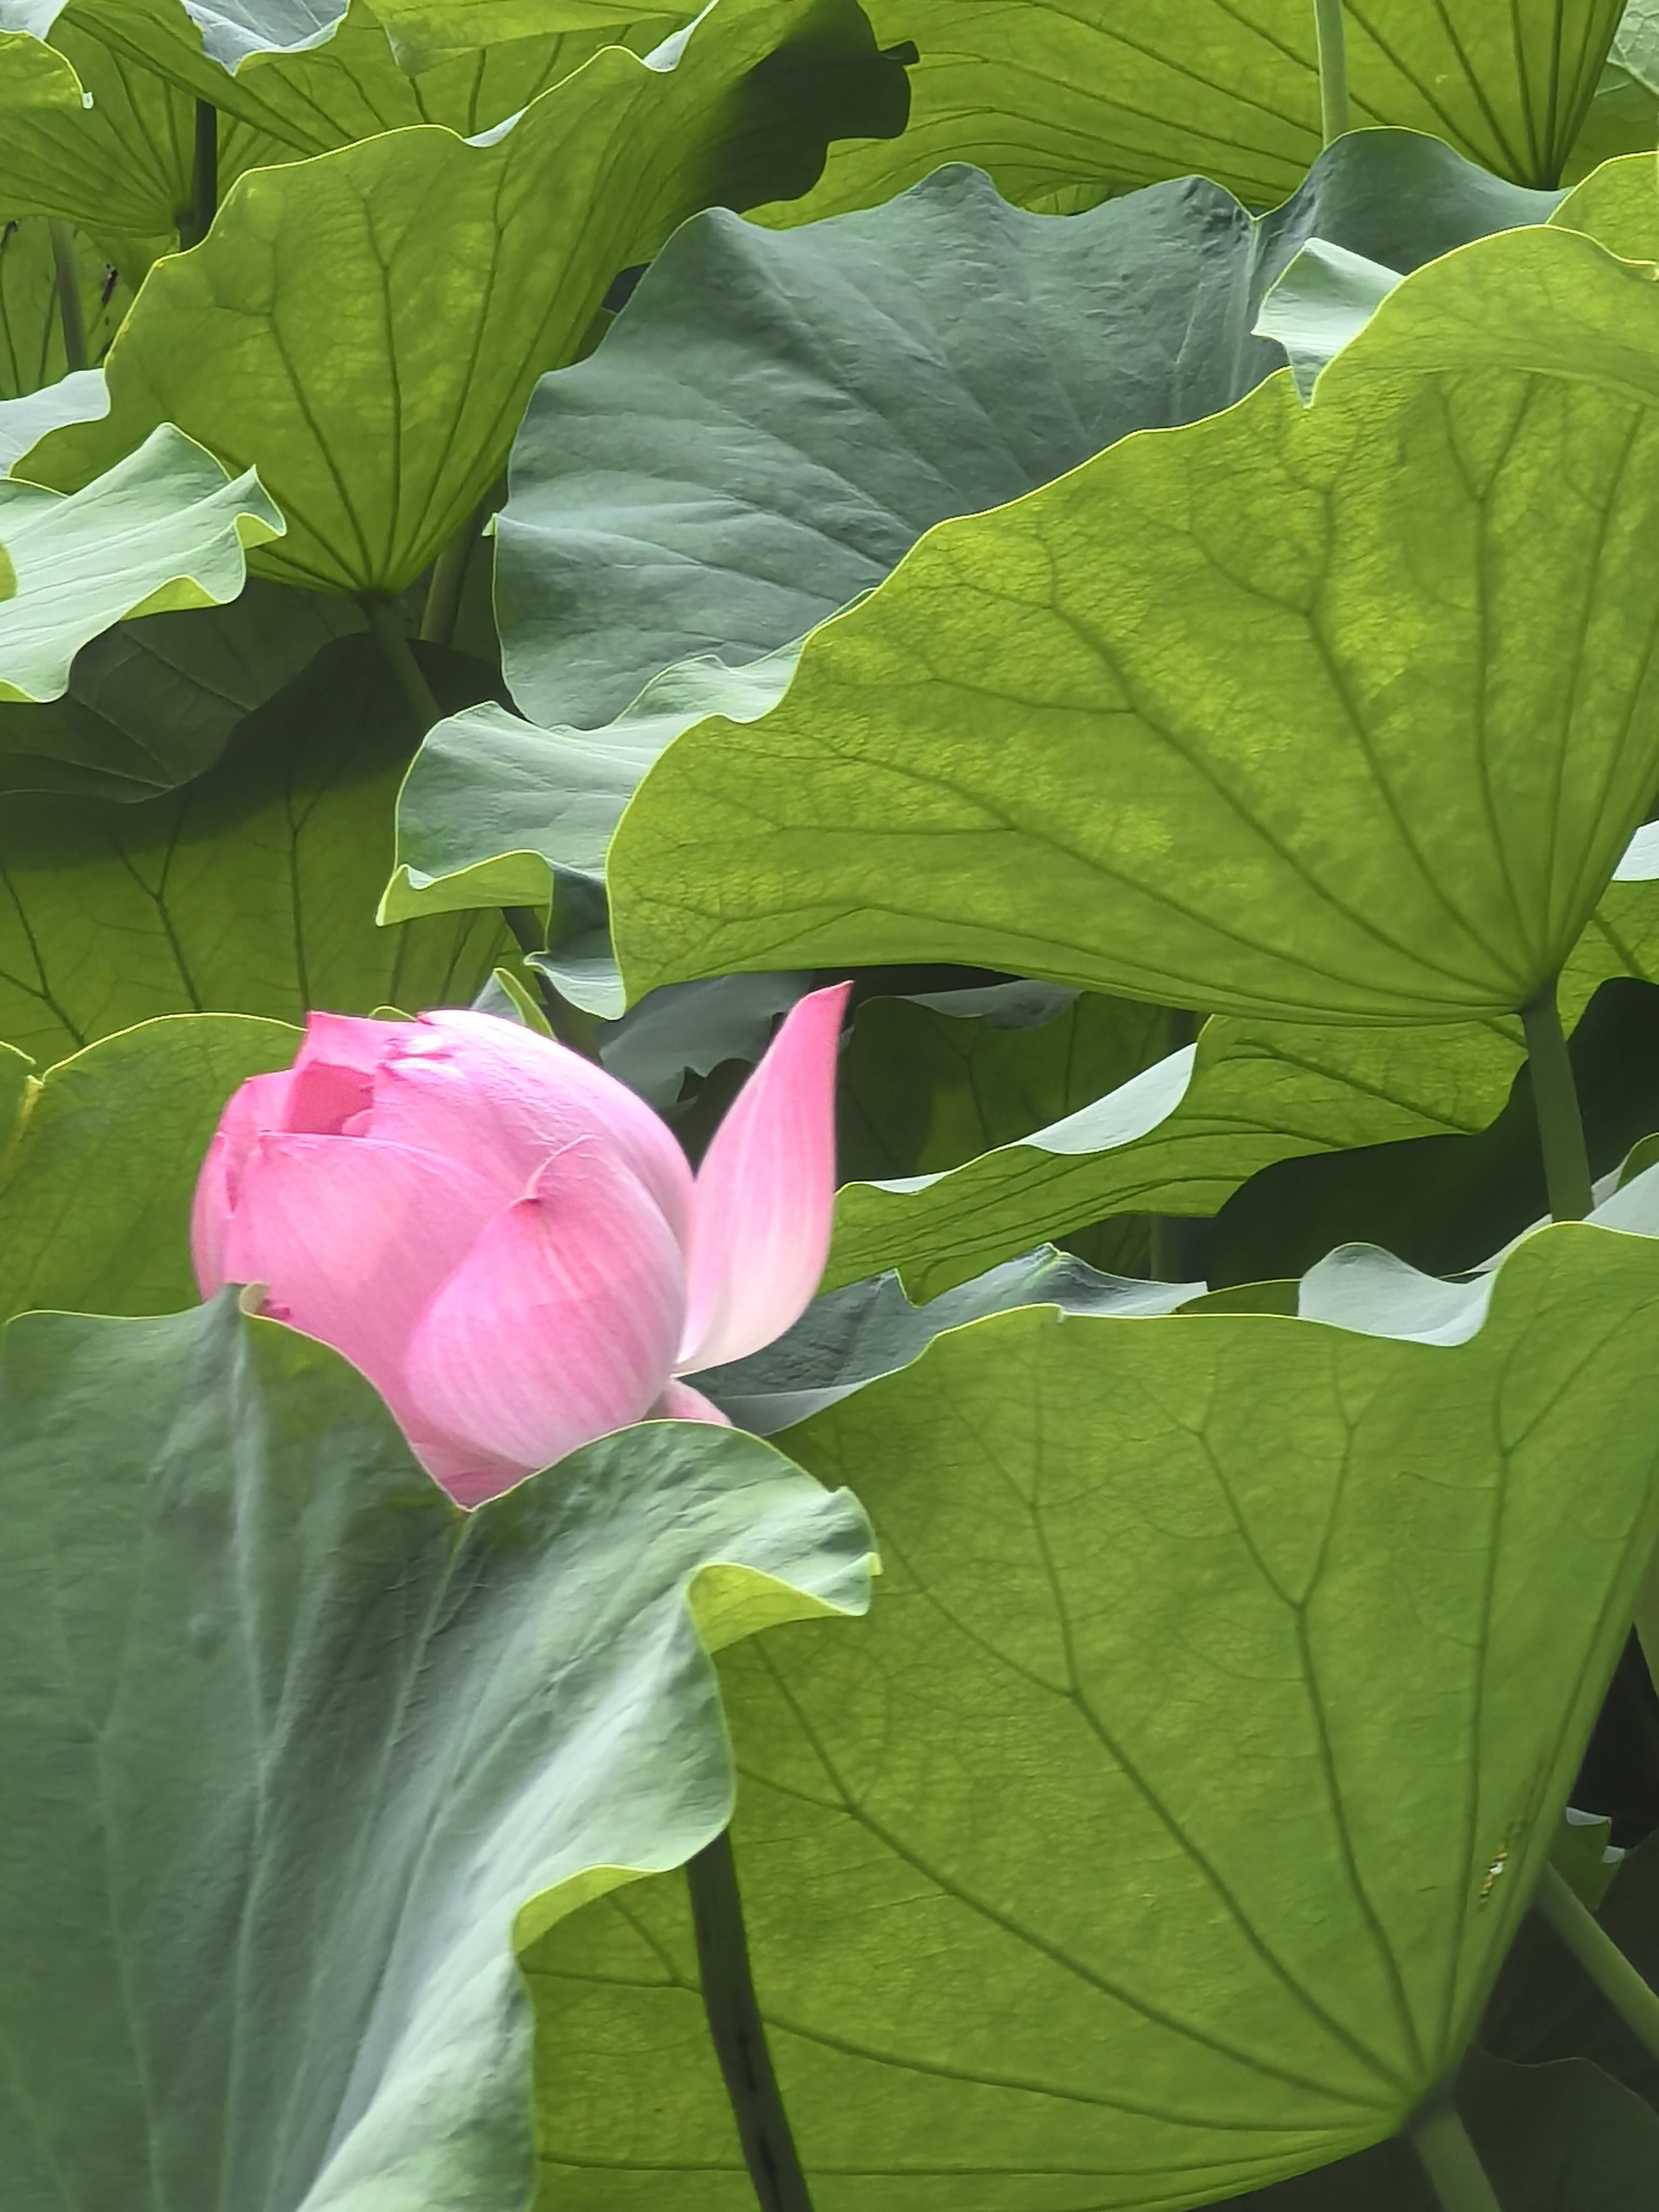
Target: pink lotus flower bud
{"x": 509, "y": 1243}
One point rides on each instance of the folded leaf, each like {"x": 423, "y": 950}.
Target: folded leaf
{"x": 163, "y": 528}
{"x": 292, "y": 1743}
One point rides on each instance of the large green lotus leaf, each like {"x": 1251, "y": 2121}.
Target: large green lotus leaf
{"x": 307, "y": 94}
{"x": 1181, "y": 1138}
{"x": 775, "y": 419}
{"x": 292, "y": 1745}
{"x": 165, "y": 527}
{"x": 1618, "y": 206}
{"x": 99, "y": 1157}
{"x": 121, "y": 164}
{"x": 1140, "y": 1851}
{"x": 31, "y": 333}
{"x": 251, "y": 890}
{"x": 1285, "y": 712}
{"x": 151, "y": 704}
{"x": 425, "y": 31}
{"x": 370, "y": 323}
{"x": 1047, "y": 97}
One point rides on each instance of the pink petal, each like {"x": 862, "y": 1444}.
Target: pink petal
{"x": 352, "y": 1237}
{"x": 503, "y": 1099}
{"x": 255, "y": 1106}
{"x": 680, "y": 1403}
{"x": 765, "y": 1191}
{"x": 330, "y": 1082}
{"x": 560, "y": 1324}
{"x": 334, "y": 1074}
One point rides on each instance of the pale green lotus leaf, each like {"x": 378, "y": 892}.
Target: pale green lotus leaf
{"x": 1285, "y": 712}
{"x": 368, "y": 324}
{"x": 294, "y": 1747}
{"x": 80, "y": 397}
{"x": 166, "y": 527}
{"x": 1163, "y": 1831}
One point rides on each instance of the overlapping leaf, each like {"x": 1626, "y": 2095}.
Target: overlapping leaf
{"x": 115, "y": 159}
{"x": 1183, "y": 1137}
{"x": 31, "y": 332}
{"x": 98, "y": 1157}
{"x": 152, "y": 704}
{"x": 1049, "y": 98}
{"x": 251, "y": 890}
{"x": 291, "y": 1743}
{"x": 369, "y": 325}
{"x": 1338, "y": 712}
{"x": 163, "y": 528}
{"x": 749, "y": 449}
{"x": 773, "y": 419}
{"x": 1143, "y": 1847}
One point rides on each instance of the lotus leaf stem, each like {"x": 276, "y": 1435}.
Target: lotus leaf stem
{"x": 198, "y": 219}
{"x": 66, "y": 267}
{"x": 1332, "y": 29}
{"x": 739, "y": 2034}
{"x": 1452, "y": 2162}
{"x": 386, "y": 619}
{"x": 449, "y": 571}
{"x": 1555, "y": 1102}
{"x": 1631, "y": 1997}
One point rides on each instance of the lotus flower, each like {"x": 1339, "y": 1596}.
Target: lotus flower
{"x": 509, "y": 1243}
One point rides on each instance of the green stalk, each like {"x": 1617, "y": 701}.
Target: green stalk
{"x": 1332, "y": 29}
{"x": 195, "y": 224}
{"x": 385, "y": 617}
{"x": 1452, "y": 2162}
{"x": 443, "y": 593}
{"x": 1636, "y": 2004}
{"x": 1555, "y": 1101}
{"x": 739, "y": 2034}
{"x": 68, "y": 275}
